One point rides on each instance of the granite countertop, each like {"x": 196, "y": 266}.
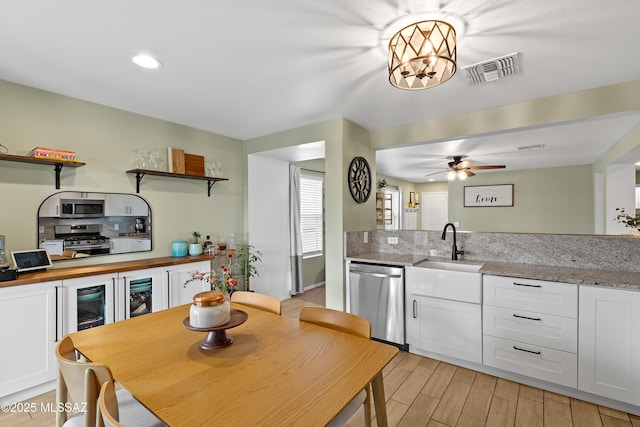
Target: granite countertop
{"x": 388, "y": 258}
{"x": 582, "y": 276}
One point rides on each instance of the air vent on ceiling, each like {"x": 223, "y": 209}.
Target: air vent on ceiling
{"x": 531, "y": 147}
{"x": 493, "y": 69}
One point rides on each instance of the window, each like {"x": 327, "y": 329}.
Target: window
{"x": 311, "y": 218}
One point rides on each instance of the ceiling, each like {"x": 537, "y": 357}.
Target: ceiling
{"x": 251, "y": 68}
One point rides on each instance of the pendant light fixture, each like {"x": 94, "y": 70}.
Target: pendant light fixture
{"x": 422, "y": 55}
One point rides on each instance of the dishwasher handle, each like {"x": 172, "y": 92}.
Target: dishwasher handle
{"x": 382, "y": 275}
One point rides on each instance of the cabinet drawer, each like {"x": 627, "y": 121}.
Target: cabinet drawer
{"x": 560, "y": 299}
{"x": 546, "y": 330}
{"x": 555, "y": 366}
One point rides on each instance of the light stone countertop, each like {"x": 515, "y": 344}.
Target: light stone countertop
{"x": 402, "y": 260}
{"x": 582, "y": 276}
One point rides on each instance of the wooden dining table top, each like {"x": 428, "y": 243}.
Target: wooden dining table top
{"x": 278, "y": 371}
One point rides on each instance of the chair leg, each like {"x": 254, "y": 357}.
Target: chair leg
{"x": 367, "y": 407}
{"x": 61, "y": 397}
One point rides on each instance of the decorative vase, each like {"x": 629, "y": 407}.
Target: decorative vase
{"x": 634, "y": 232}
{"x": 195, "y": 249}
{"x": 179, "y": 248}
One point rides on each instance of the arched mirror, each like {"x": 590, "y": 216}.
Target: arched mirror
{"x": 75, "y": 224}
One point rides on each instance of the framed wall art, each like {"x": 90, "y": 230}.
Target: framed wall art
{"x": 488, "y": 195}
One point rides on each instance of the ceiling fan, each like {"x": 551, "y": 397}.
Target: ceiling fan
{"x": 462, "y": 168}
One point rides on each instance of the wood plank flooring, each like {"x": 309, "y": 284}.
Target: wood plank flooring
{"x": 423, "y": 392}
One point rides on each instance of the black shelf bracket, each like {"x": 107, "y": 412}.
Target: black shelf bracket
{"x": 210, "y": 184}
{"x": 57, "y": 168}
{"x": 139, "y": 176}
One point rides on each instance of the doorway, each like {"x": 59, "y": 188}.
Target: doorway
{"x": 435, "y": 210}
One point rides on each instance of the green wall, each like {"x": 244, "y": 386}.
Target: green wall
{"x": 105, "y": 139}
{"x": 550, "y": 200}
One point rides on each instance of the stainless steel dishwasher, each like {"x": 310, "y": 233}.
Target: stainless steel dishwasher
{"x": 376, "y": 292}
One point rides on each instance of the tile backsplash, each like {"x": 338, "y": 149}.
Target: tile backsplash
{"x": 560, "y": 250}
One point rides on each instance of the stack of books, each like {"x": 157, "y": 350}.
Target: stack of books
{"x": 53, "y": 154}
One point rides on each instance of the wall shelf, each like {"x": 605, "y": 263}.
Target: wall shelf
{"x": 140, "y": 173}
{"x": 56, "y": 163}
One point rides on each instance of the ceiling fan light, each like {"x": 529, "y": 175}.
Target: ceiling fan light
{"x": 451, "y": 175}
{"x": 146, "y": 61}
{"x": 462, "y": 175}
{"x": 422, "y": 55}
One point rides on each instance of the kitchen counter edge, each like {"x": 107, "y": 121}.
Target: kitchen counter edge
{"x": 93, "y": 270}
{"x": 629, "y": 280}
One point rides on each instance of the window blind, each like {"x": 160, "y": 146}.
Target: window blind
{"x": 311, "y": 214}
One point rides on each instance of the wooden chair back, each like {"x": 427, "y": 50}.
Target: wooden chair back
{"x": 79, "y": 382}
{"x": 337, "y": 320}
{"x": 351, "y": 324}
{"x": 109, "y": 405}
{"x": 256, "y": 300}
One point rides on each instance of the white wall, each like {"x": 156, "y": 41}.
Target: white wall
{"x": 621, "y": 184}
{"x": 268, "y": 224}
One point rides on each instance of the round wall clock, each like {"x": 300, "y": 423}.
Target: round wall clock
{"x": 359, "y": 179}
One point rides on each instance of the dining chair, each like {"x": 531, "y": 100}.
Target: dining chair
{"x": 354, "y": 325}
{"x": 79, "y": 383}
{"x": 256, "y": 300}
{"x": 109, "y": 405}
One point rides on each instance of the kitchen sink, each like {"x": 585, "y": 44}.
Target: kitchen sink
{"x": 450, "y": 266}
{"x": 449, "y": 280}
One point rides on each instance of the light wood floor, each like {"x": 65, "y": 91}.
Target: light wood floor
{"x": 424, "y": 392}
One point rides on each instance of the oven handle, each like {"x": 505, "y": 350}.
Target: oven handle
{"x": 125, "y": 295}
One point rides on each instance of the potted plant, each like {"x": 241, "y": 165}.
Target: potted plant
{"x": 249, "y": 256}
{"x": 631, "y": 221}
{"x": 195, "y": 248}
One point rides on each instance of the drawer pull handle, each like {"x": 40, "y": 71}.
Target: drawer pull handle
{"x": 528, "y": 351}
{"x": 527, "y": 285}
{"x": 537, "y": 319}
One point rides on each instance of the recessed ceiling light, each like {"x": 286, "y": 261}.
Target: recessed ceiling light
{"x": 431, "y": 179}
{"x": 146, "y": 61}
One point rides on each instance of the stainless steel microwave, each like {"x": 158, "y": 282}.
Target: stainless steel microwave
{"x": 81, "y": 208}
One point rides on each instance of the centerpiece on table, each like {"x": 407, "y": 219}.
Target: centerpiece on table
{"x": 631, "y": 221}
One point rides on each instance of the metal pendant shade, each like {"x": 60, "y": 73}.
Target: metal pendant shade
{"x": 422, "y": 55}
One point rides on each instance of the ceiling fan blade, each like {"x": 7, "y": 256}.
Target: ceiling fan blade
{"x": 469, "y": 173}
{"x": 487, "y": 167}
{"x": 435, "y": 173}
{"x": 463, "y": 164}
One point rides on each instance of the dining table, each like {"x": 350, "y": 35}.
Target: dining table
{"x": 278, "y": 371}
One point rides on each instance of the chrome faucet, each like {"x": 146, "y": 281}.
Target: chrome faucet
{"x": 454, "y": 250}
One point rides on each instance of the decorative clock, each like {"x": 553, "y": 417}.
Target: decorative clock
{"x": 359, "y": 179}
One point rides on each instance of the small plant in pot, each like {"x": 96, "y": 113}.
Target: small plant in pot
{"x": 195, "y": 248}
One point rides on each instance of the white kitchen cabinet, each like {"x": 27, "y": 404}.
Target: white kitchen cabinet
{"x": 139, "y": 292}
{"x": 443, "y": 312}
{"x": 28, "y": 335}
{"x": 120, "y": 245}
{"x": 50, "y": 207}
{"x": 609, "y": 343}
{"x": 174, "y": 278}
{"x": 83, "y": 195}
{"x": 530, "y": 328}
{"x": 138, "y": 245}
{"x": 450, "y": 328}
{"x": 125, "y": 205}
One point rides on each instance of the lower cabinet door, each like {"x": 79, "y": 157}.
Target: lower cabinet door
{"x": 450, "y": 328}
{"x": 180, "y": 289}
{"x": 610, "y": 343}
{"x": 543, "y": 363}
{"x": 28, "y": 336}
